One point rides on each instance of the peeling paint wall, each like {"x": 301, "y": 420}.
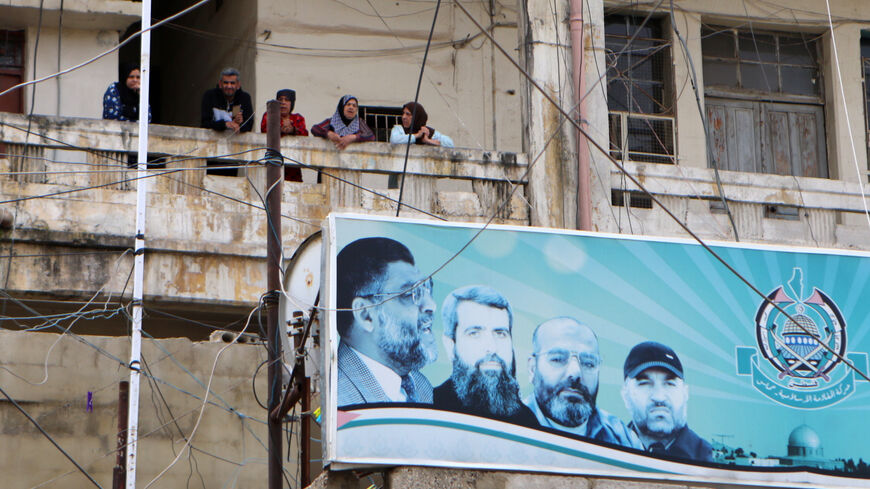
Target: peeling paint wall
{"x": 171, "y": 400}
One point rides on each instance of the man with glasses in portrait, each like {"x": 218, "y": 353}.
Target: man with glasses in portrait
{"x": 564, "y": 371}
{"x": 385, "y": 311}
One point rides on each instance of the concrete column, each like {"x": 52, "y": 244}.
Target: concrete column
{"x": 596, "y": 115}
{"x": 545, "y": 52}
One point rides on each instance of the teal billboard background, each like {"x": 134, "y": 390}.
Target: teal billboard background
{"x": 631, "y": 290}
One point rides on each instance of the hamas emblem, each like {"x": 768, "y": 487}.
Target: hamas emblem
{"x": 799, "y": 358}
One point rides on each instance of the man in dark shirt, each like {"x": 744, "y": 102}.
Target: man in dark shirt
{"x": 656, "y": 395}
{"x": 227, "y": 106}
{"x": 477, "y": 337}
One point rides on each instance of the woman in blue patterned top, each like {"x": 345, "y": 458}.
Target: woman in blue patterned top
{"x": 121, "y": 101}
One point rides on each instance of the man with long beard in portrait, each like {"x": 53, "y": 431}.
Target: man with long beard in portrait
{"x": 477, "y": 337}
{"x": 564, "y": 371}
{"x": 385, "y": 324}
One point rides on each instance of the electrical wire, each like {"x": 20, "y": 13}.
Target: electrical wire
{"x": 49, "y": 438}
{"x": 54, "y": 323}
{"x": 107, "y": 52}
{"x": 861, "y": 179}
{"x": 414, "y": 114}
{"x": 707, "y": 136}
{"x": 431, "y": 82}
{"x": 189, "y": 440}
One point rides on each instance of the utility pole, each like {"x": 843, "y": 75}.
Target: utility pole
{"x": 139, "y": 249}
{"x": 274, "y": 177}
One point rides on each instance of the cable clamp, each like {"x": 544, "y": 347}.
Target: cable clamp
{"x": 272, "y": 297}
{"x": 274, "y": 158}
{"x": 134, "y": 365}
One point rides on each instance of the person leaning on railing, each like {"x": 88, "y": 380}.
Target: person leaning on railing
{"x": 414, "y": 127}
{"x": 345, "y": 126}
{"x": 121, "y": 100}
{"x": 291, "y": 125}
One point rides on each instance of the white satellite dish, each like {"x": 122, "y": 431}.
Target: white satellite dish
{"x": 302, "y": 287}
{"x": 302, "y": 277}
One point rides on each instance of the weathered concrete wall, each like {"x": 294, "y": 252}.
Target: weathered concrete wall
{"x": 81, "y": 91}
{"x": 437, "y": 478}
{"x": 327, "y": 49}
{"x": 51, "y": 376}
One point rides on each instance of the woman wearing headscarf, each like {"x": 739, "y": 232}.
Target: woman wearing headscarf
{"x": 414, "y": 127}
{"x": 121, "y": 100}
{"x": 291, "y": 125}
{"x": 344, "y": 127}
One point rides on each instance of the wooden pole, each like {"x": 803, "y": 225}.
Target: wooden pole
{"x": 274, "y": 173}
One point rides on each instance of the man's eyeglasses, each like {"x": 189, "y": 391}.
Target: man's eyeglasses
{"x": 561, "y": 358}
{"x": 415, "y": 293}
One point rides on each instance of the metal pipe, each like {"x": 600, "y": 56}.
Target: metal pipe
{"x": 139, "y": 247}
{"x": 274, "y": 172}
{"x": 584, "y": 184}
{"x": 118, "y": 474}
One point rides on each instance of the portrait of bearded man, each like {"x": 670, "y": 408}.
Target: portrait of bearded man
{"x": 564, "y": 369}
{"x": 478, "y": 323}
{"x": 385, "y": 324}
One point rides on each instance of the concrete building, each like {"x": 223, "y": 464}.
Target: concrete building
{"x": 745, "y": 120}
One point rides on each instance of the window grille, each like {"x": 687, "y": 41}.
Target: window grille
{"x": 639, "y": 89}
{"x": 381, "y": 119}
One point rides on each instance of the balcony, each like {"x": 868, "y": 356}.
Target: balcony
{"x": 206, "y": 231}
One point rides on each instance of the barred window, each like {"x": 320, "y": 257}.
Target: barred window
{"x": 639, "y": 89}
{"x": 381, "y": 119}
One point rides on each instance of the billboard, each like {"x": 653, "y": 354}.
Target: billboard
{"x": 532, "y": 349}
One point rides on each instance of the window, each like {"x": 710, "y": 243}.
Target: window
{"x": 764, "y": 98}
{"x": 11, "y": 69}
{"x": 381, "y": 120}
{"x": 639, "y": 89}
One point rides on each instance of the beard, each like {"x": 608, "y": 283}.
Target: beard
{"x": 661, "y": 427}
{"x": 496, "y": 393}
{"x": 570, "y": 413}
{"x": 401, "y": 342}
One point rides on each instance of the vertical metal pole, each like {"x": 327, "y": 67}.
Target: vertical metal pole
{"x": 584, "y": 176}
{"x": 274, "y": 173}
{"x": 305, "y": 432}
{"x": 121, "y": 457}
{"x": 139, "y": 247}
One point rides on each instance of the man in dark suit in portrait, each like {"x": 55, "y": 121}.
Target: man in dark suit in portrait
{"x": 477, "y": 337}
{"x": 385, "y": 324}
{"x": 656, "y": 395}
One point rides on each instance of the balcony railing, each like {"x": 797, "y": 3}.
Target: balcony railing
{"x": 450, "y": 183}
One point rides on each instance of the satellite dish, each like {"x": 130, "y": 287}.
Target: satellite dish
{"x": 302, "y": 287}
{"x": 302, "y": 277}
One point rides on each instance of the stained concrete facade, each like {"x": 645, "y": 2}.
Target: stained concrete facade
{"x": 69, "y": 385}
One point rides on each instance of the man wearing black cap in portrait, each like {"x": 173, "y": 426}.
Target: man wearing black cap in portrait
{"x": 656, "y": 395}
